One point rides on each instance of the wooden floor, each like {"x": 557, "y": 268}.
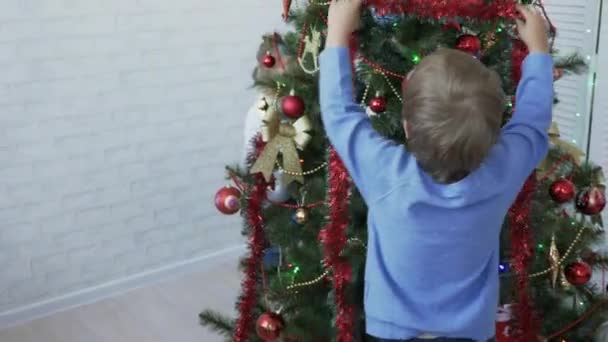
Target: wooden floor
{"x": 164, "y": 312}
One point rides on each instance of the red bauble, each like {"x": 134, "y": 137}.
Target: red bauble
{"x": 578, "y": 273}
{"x": 293, "y": 106}
{"x": 451, "y": 25}
{"x": 558, "y": 73}
{"x": 591, "y": 201}
{"x": 269, "y": 61}
{"x": 562, "y": 191}
{"x": 227, "y": 200}
{"x": 504, "y": 324}
{"x": 269, "y": 326}
{"x": 378, "y": 104}
{"x": 469, "y": 43}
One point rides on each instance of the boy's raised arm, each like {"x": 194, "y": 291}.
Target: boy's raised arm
{"x": 525, "y": 141}
{"x": 372, "y": 160}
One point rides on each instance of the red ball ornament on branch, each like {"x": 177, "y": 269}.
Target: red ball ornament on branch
{"x": 227, "y": 200}
{"x": 269, "y": 61}
{"x": 558, "y": 73}
{"x": 591, "y": 201}
{"x": 293, "y": 106}
{"x": 451, "y": 25}
{"x": 269, "y": 326}
{"x": 377, "y": 104}
{"x": 562, "y": 191}
{"x": 469, "y": 43}
{"x": 578, "y": 273}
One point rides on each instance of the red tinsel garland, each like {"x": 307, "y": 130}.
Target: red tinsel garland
{"x": 522, "y": 247}
{"x": 245, "y": 323}
{"x": 334, "y": 240}
{"x": 474, "y": 9}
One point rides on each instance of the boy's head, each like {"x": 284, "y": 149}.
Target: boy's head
{"x": 452, "y": 110}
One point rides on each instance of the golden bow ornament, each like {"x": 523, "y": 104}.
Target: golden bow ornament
{"x": 569, "y": 148}
{"x": 284, "y": 138}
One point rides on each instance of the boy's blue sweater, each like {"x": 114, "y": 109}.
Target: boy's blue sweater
{"x": 433, "y": 249}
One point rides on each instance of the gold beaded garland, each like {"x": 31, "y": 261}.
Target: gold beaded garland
{"x": 308, "y": 283}
{"x": 564, "y": 257}
{"x": 392, "y": 88}
{"x": 305, "y": 173}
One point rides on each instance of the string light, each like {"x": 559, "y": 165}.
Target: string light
{"x": 416, "y": 58}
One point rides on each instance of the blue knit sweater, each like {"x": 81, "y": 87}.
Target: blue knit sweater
{"x": 433, "y": 249}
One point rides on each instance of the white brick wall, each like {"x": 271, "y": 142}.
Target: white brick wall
{"x": 116, "y": 119}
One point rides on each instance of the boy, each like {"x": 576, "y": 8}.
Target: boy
{"x": 435, "y": 211}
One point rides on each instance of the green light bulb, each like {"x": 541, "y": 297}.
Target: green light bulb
{"x": 416, "y": 59}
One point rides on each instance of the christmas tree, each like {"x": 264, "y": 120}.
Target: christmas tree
{"x": 303, "y": 274}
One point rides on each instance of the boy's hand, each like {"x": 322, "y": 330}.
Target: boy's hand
{"x": 343, "y": 20}
{"x": 532, "y": 29}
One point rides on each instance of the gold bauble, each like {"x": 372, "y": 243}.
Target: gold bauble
{"x": 301, "y": 216}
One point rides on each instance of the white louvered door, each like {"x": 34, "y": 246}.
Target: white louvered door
{"x": 598, "y": 144}
{"x": 576, "y": 22}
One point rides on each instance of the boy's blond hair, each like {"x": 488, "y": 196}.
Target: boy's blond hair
{"x": 453, "y": 108}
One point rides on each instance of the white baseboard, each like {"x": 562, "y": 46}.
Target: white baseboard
{"x": 93, "y": 294}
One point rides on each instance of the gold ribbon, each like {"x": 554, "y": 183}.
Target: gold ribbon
{"x": 555, "y": 140}
{"x": 282, "y": 138}
{"x": 554, "y": 137}
{"x": 554, "y": 259}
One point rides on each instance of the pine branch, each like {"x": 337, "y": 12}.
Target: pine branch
{"x": 573, "y": 64}
{"x": 216, "y": 322}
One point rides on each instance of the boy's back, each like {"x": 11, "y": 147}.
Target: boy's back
{"x": 433, "y": 249}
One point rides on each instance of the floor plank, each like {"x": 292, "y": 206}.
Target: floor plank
{"x": 164, "y": 312}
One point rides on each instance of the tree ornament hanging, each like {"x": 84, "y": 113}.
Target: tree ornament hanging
{"x": 469, "y": 43}
{"x": 286, "y": 7}
{"x": 284, "y": 138}
{"x": 269, "y": 61}
{"x": 452, "y": 25}
{"x": 272, "y": 257}
{"x": 312, "y": 46}
{"x": 301, "y": 216}
{"x": 554, "y": 259}
{"x": 269, "y": 326}
{"x": 562, "y": 191}
{"x": 293, "y": 106}
{"x": 377, "y": 104}
{"x": 578, "y": 273}
{"x": 227, "y": 200}
{"x": 558, "y": 73}
{"x": 591, "y": 200}
{"x": 504, "y": 323}
{"x": 262, "y": 104}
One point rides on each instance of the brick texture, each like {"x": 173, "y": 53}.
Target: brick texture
{"x": 116, "y": 117}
